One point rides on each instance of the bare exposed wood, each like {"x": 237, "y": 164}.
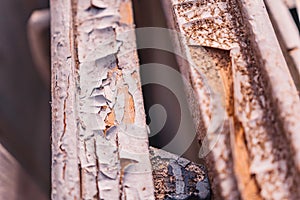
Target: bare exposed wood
{"x": 15, "y": 182}
{"x": 256, "y": 90}
{"x": 100, "y": 144}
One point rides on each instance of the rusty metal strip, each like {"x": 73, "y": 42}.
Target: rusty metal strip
{"x": 233, "y": 42}
{"x": 100, "y": 143}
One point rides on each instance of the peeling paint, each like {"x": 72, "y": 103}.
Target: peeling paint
{"x": 100, "y": 143}
{"x": 120, "y": 168}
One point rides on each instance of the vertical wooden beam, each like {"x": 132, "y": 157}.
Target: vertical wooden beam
{"x": 234, "y": 62}
{"x": 99, "y": 136}
{"x": 66, "y": 174}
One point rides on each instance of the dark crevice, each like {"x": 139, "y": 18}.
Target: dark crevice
{"x": 97, "y": 172}
{"x": 80, "y": 179}
{"x": 295, "y": 16}
{"x": 150, "y": 14}
{"x": 94, "y": 10}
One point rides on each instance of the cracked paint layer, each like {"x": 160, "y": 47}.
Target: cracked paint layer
{"x": 65, "y": 176}
{"x": 100, "y": 132}
{"x": 111, "y": 115}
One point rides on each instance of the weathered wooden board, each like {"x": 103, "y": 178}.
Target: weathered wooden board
{"x": 99, "y": 136}
{"x": 249, "y": 104}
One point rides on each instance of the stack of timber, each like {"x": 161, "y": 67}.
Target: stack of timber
{"x": 99, "y": 138}
{"x": 248, "y": 105}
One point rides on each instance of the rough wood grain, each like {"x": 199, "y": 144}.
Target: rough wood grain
{"x": 66, "y": 175}
{"x": 99, "y": 138}
{"x": 261, "y": 106}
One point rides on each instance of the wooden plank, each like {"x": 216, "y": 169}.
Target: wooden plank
{"x": 15, "y": 182}
{"x": 238, "y": 62}
{"x": 65, "y": 171}
{"x": 99, "y": 136}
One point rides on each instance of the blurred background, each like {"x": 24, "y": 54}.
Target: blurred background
{"x": 24, "y": 98}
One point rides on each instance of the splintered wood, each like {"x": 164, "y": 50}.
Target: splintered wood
{"x": 233, "y": 56}
{"x": 100, "y": 143}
